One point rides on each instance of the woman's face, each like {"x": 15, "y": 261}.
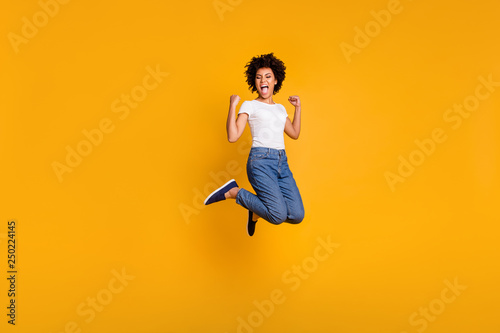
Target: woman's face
{"x": 265, "y": 82}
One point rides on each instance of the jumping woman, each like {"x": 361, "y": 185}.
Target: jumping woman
{"x": 277, "y": 197}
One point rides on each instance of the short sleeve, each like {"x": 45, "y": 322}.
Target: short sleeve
{"x": 283, "y": 110}
{"x": 246, "y": 107}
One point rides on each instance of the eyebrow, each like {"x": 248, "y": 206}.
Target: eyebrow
{"x": 264, "y": 74}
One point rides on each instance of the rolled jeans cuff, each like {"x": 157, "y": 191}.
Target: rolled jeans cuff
{"x": 239, "y": 200}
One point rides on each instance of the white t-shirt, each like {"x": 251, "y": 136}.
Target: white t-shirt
{"x": 267, "y": 123}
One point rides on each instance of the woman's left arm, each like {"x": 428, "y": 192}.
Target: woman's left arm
{"x": 292, "y": 128}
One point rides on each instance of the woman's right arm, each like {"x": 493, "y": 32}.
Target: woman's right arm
{"x": 235, "y": 126}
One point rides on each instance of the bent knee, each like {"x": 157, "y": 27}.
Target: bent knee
{"x": 278, "y": 217}
{"x": 297, "y": 218}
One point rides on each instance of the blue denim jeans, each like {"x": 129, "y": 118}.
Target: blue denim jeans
{"x": 278, "y": 198}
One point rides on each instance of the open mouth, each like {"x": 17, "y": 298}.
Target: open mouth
{"x": 264, "y": 89}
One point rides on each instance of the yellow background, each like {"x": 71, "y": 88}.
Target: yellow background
{"x": 133, "y": 203}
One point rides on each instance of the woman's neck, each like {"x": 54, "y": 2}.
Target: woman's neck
{"x": 268, "y": 100}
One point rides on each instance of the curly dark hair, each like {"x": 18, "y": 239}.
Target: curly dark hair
{"x": 269, "y": 61}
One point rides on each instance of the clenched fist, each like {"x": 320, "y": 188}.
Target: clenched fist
{"x": 294, "y": 100}
{"x": 234, "y": 100}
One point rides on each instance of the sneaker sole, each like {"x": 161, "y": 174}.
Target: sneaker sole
{"x": 211, "y": 194}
